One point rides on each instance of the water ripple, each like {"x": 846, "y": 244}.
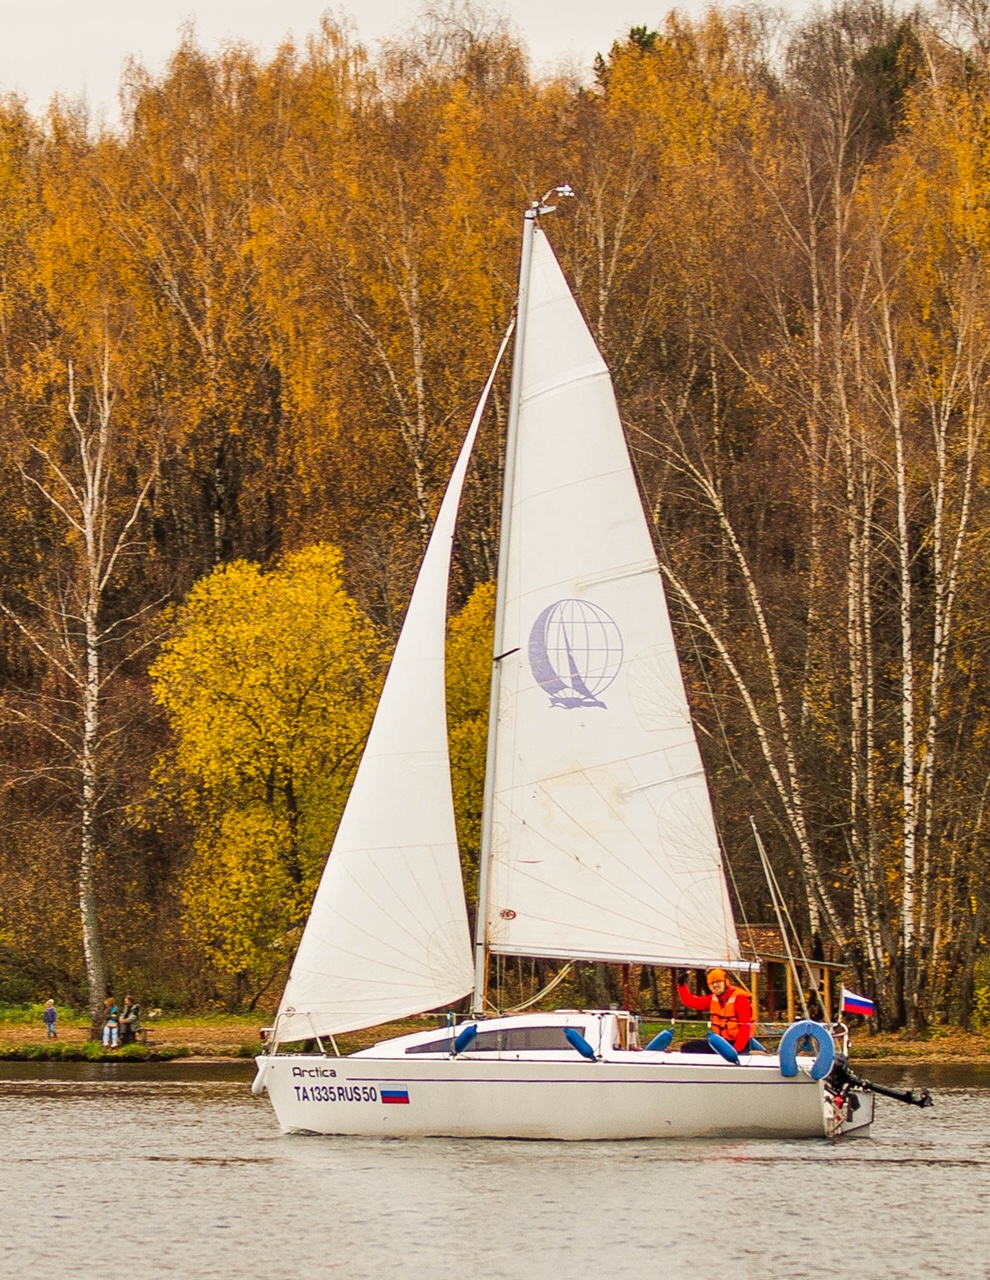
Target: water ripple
{"x": 188, "y": 1177}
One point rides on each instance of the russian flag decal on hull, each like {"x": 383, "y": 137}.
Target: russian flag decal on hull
{"x": 394, "y": 1095}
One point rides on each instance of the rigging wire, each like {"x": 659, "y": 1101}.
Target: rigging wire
{"x": 702, "y": 667}
{"x": 544, "y": 991}
{"x": 777, "y": 897}
{"x": 779, "y": 904}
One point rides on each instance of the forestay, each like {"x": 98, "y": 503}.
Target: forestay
{"x": 388, "y": 934}
{"x": 603, "y": 841}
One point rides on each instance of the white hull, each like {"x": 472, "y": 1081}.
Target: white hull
{"x": 398, "y": 1090}
{"x": 569, "y": 1101}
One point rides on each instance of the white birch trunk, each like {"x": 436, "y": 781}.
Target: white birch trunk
{"x": 80, "y": 492}
{"x": 92, "y": 934}
{"x": 891, "y": 397}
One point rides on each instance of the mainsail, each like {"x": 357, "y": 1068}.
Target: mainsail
{"x": 602, "y": 840}
{"x": 388, "y": 934}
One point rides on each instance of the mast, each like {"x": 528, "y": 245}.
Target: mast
{"x": 532, "y": 215}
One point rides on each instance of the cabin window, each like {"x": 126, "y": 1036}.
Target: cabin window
{"x": 503, "y": 1040}
{"x": 445, "y": 1045}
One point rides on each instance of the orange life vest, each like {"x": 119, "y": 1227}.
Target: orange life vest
{"x": 724, "y": 1019}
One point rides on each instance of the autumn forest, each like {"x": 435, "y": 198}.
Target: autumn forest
{"x": 241, "y": 337}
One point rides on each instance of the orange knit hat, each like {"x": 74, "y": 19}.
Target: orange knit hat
{"x": 716, "y": 975}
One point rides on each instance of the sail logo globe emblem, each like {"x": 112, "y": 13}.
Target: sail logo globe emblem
{"x": 575, "y": 652}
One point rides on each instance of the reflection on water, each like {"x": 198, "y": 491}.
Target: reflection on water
{"x": 175, "y": 1170}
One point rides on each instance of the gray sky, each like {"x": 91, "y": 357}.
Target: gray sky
{"x": 78, "y": 47}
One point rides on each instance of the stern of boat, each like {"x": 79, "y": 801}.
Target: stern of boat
{"x": 849, "y": 1113}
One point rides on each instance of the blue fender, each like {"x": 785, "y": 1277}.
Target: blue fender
{"x": 824, "y": 1045}
{"x": 722, "y": 1046}
{"x": 662, "y": 1041}
{"x": 466, "y": 1037}
{"x": 577, "y": 1041}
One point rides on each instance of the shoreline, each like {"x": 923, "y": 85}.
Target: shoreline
{"x": 229, "y": 1038}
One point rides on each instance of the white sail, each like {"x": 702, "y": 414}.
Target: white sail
{"x": 602, "y": 838}
{"x": 388, "y": 934}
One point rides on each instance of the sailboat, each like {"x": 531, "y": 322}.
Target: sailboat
{"x": 598, "y": 842}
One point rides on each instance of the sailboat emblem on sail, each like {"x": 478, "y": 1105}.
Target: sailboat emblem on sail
{"x": 575, "y": 652}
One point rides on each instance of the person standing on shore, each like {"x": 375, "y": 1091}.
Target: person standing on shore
{"x": 49, "y": 1017}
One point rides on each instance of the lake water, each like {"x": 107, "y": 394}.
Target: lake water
{"x": 175, "y": 1170}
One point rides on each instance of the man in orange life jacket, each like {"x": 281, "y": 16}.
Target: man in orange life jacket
{"x": 729, "y": 1009}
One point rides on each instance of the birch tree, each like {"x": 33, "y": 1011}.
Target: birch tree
{"x": 177, "y": 202}
{"x": 391, "y": 241}
{"x": 929, "y": 285}
{"x": 92, "y": 497}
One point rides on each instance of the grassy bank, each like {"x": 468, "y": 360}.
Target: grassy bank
{"x": 23, "y": 1037}
{"x": 941, "y": 1044}
{"x": 167, "y": 1037}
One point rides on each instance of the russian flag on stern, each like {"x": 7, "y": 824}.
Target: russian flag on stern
{"x": 852, "y": 1003}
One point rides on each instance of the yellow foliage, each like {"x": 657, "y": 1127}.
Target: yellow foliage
{"x": 469, "y": 665}
{"x": 268, "y": 682}
{"x": 239, "y": 900}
